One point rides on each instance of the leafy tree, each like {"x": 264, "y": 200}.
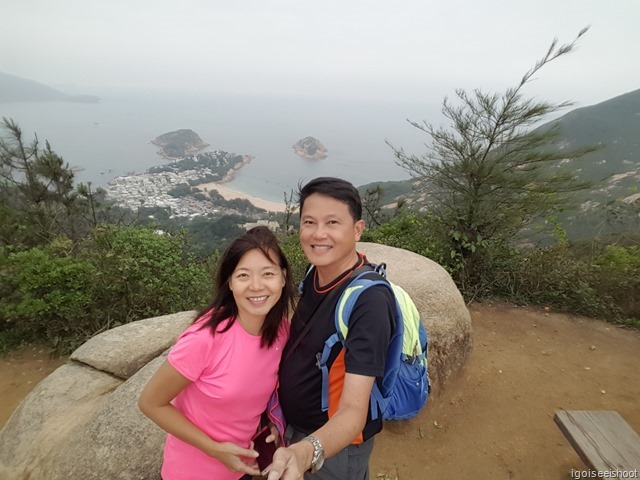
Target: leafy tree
{"x": 181, "y": 190}
{"x": 208, "y": 235}
{"x": 490, "y": 173}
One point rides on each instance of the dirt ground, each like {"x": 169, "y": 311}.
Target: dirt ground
{"x": 495, "y": 421}
{"x": 20, "y": 372}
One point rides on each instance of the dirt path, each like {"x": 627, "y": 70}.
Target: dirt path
{"x": 20, "y": 372}
{"x": 496, "y": 420}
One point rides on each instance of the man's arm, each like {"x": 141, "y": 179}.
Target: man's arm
{"x": 340, "y": 431}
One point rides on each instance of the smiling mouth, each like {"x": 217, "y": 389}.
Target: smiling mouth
{"x": 322, "y": 248}
{"x": 258, "y": 299}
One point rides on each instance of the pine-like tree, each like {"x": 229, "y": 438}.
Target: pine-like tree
{"x": 491, "y": 172}
{"x": 38, "y": 197}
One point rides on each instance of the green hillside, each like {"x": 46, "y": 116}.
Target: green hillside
{"x": 614, "y": 169}
{"x": 615, "y": 126}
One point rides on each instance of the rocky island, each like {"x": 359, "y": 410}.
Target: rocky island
{"x": 179, "y": 143}
{"x": 310, "y": 148}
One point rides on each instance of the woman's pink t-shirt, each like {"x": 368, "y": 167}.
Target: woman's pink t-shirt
{"x": 232, "y": 379}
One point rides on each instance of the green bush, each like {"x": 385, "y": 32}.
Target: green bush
{"x": 119, "y": 275}
{"x": 604, "y": 282}
{"x": 45, "y": 295}
{"x": 618, "y": 278}
{"x": 606, "y": 286}
{"x": 149, "y": 273}
{"x": 290, "y": 245}
{"x": 411, "y": 232}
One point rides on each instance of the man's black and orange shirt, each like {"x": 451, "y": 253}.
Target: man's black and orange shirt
{"x": 370, "y": 327}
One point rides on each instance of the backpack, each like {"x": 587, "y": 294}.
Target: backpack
{"x": 405, "y": 386}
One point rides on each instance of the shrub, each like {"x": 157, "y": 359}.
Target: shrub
{"x": 45, "y": 296}
{"x": 603, "y": 283}
{"x": 119, "y": 275}
{"x": 607, "y": 285}
{"x": 149, "y": 273}
{"x": 290, "y": 245}
{"x": 419, "y": 234}
{"x": 618, "y": 278}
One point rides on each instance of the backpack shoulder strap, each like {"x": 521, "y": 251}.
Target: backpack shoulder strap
{"x": 344, "y": 308}
{"x": 306, "y": 275}
{"x": 361, "y": 282}
{"x": 349, "y": 297}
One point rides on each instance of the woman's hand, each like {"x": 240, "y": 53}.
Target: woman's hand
{"x": 236, "y": 458}
{"x": 274, "y": 436}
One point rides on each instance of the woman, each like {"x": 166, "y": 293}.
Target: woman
{"x": 210, "y": 392}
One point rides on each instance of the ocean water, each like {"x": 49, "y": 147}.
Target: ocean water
{"x": 112, "y": 138}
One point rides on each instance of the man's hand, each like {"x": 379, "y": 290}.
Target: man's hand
{"x": 290, "y": 463}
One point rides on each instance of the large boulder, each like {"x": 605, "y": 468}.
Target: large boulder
{"x": 38, "y": 431}
{"x": 124, "y": 350}
{"x": 82, "y": 421}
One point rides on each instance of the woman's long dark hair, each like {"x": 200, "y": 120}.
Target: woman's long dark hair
{"x": 224, "y": 305}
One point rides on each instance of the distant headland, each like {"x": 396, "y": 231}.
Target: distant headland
{"x": 310, "y": 148}
{"x": 179, "y": 143}
{"x": 17, "y": 89}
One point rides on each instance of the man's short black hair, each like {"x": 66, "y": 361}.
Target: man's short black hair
{"x": 336, "y": 188}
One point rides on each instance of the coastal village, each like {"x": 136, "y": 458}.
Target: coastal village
{"x": 158, "y": 186}
{"x": 151, "y": 190}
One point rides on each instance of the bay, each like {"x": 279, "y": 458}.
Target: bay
{"x": 112, "y": 138}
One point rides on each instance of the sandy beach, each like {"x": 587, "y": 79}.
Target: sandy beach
{"x": 229, "y": 194}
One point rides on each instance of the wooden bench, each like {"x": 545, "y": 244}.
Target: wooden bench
{"x": 603, "y": 439}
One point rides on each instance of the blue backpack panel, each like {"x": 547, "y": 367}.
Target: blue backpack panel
{"x": 405, "y": 386}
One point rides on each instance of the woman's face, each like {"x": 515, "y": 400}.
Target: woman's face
{"x": 256, "y": 284}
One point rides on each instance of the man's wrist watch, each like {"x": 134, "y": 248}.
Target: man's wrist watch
{"x": 318, "y": 453}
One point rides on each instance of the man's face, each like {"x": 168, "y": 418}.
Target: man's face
{"x": 328, "y": 234}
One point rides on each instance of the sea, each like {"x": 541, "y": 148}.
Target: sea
{"x": 112, "y": 138}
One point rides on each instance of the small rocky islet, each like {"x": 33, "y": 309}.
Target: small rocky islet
{"x": 179, "y": 143}
{"x": 310, "y": 148}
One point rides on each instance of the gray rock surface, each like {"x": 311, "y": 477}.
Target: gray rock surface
{"x": 37, "y": 432}
{"x": 124, "y": 350}
{"x": 82, "y": 421}
{"x": 116, "y": 431}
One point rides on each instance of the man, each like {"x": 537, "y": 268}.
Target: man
{"x": 334, "y": 444}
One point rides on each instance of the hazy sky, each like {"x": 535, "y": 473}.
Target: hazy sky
{"x": 414, "y": 50}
